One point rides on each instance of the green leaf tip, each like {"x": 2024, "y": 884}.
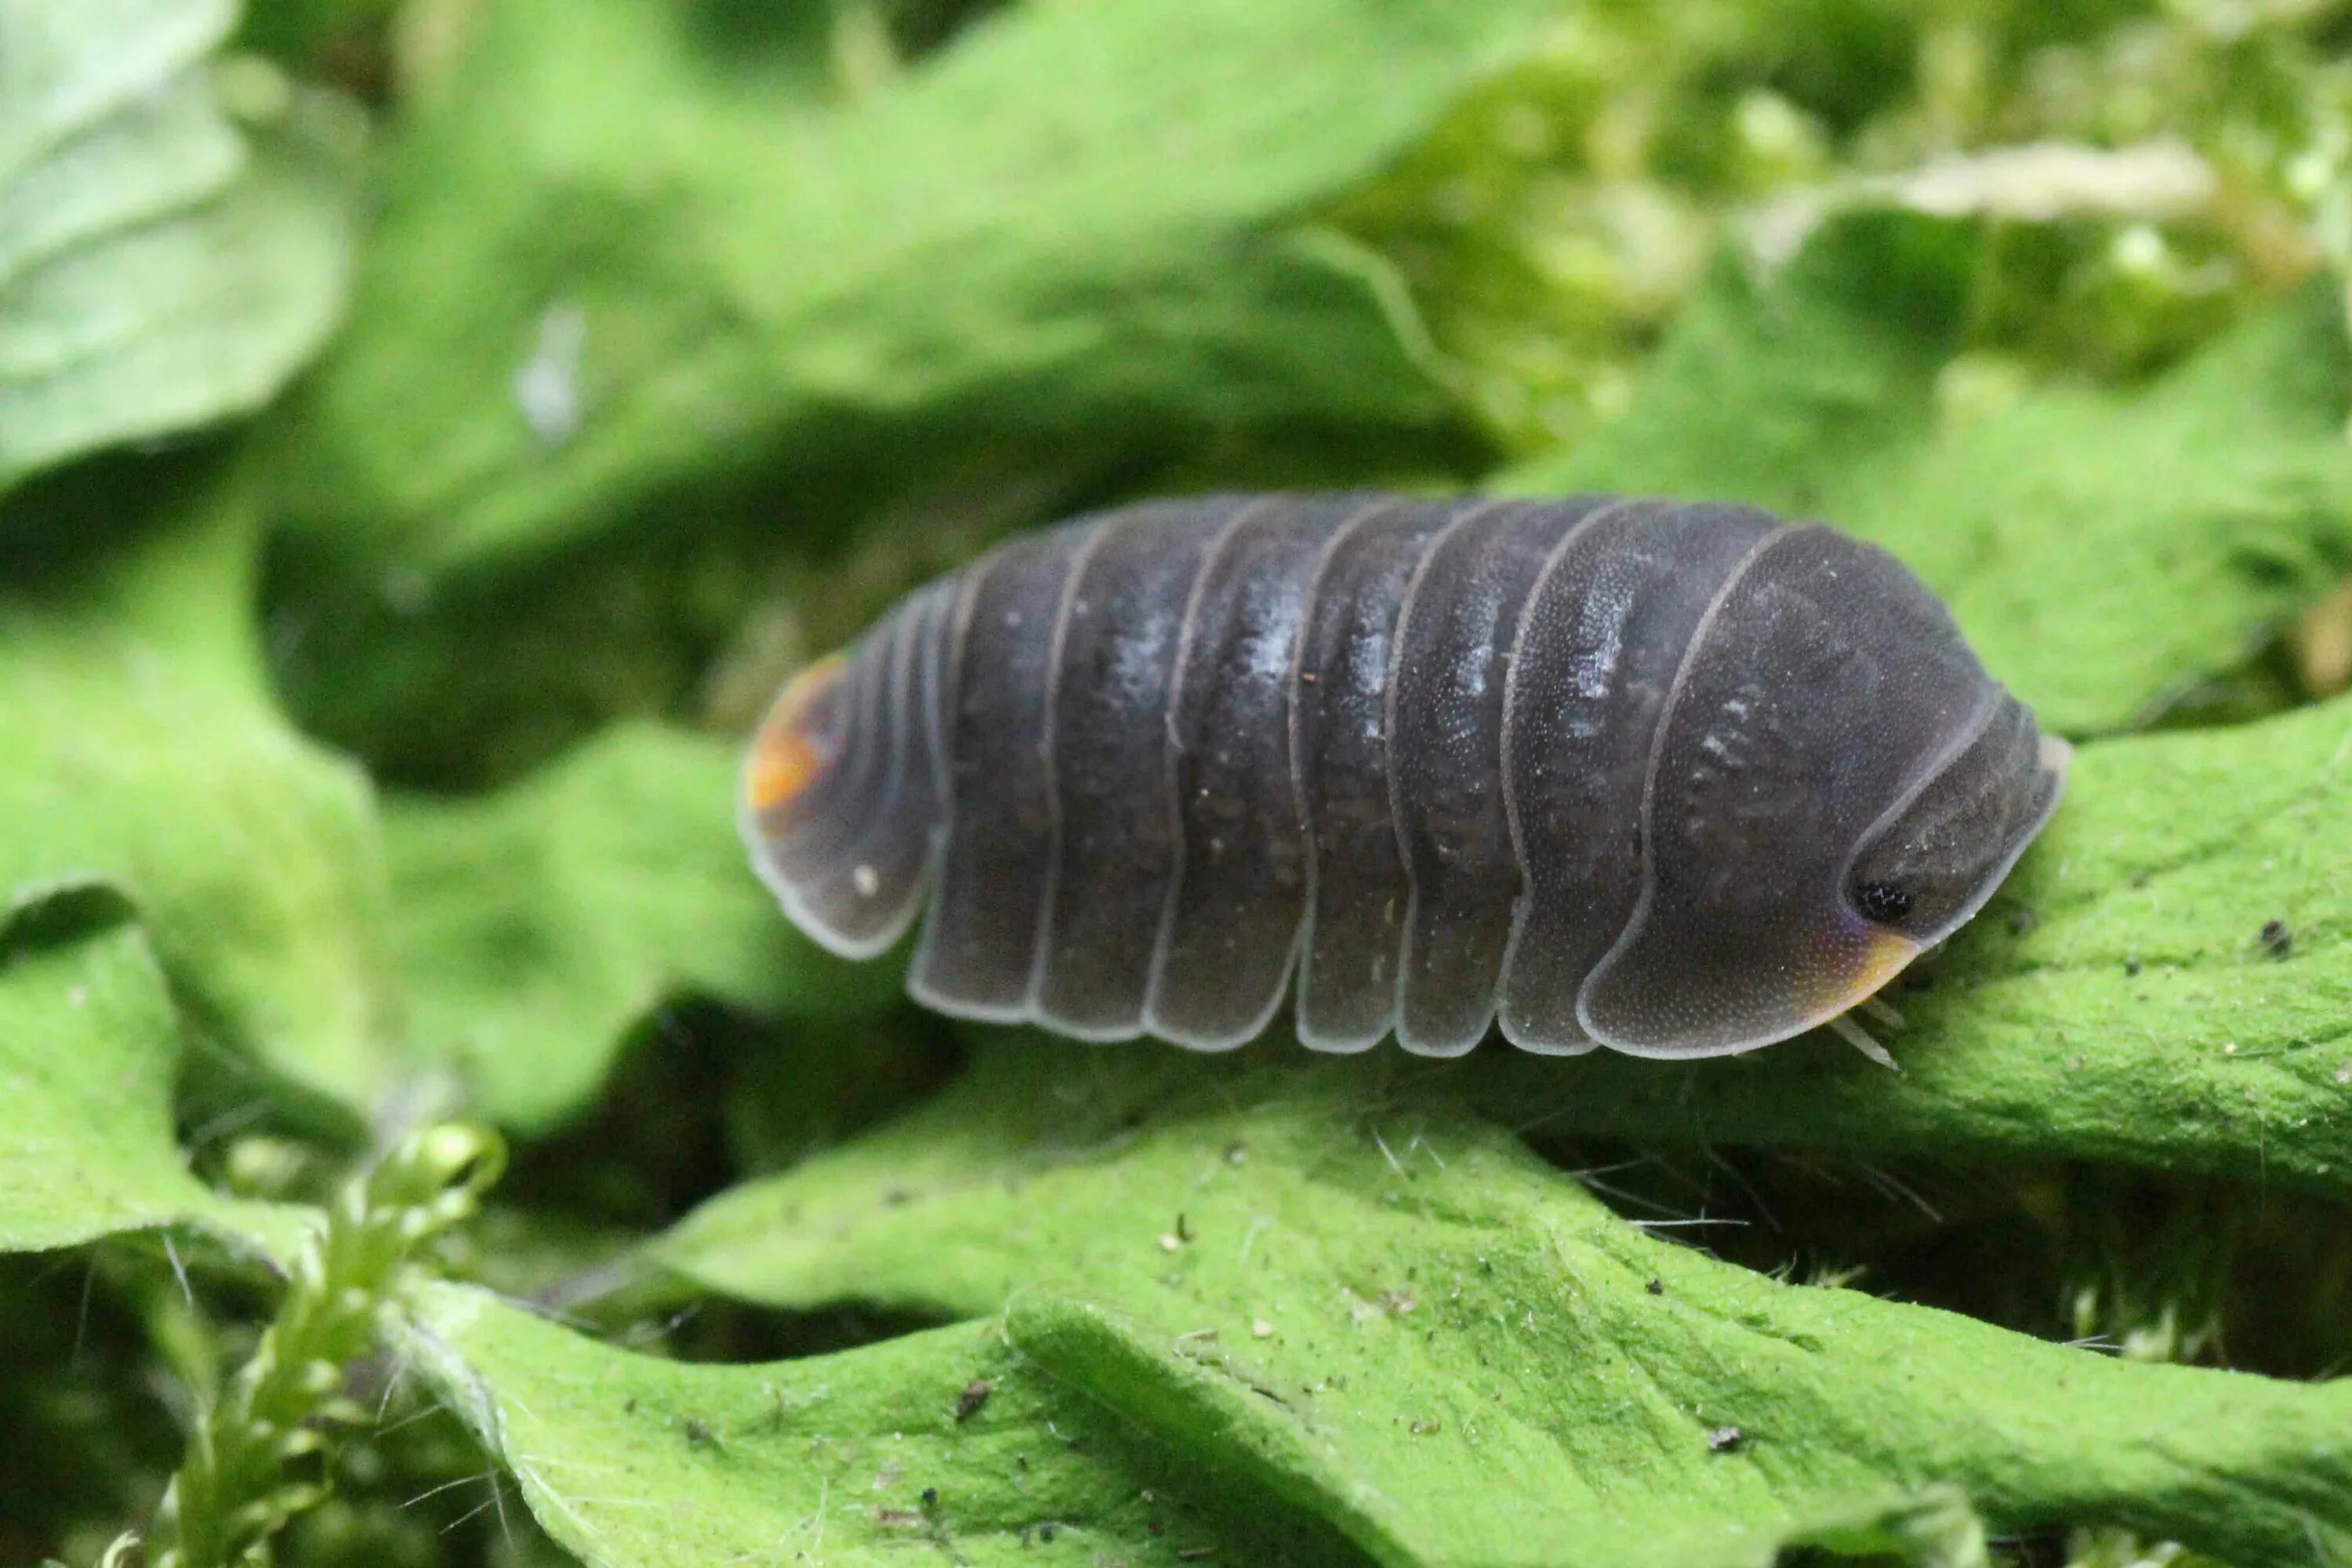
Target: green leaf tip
{"x": 90, "y": 1047}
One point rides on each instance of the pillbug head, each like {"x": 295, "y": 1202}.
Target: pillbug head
{"x": 1935, "y": 858}
{"x": 1837, "y": 785}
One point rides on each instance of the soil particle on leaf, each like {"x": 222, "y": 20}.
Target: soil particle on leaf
{"x": 975, "y": 1394}
{"x": 1261, "y": 1328}
{"x": 2276, "y": 938}
{"x": 1655, "y": 1287}
{"x": 2131, "y": 967}
{"x": 1725, "y": 1440}
{"x": 930, "y": 1498}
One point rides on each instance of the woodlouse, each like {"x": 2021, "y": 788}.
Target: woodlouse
{"x": 1676, "y": 779}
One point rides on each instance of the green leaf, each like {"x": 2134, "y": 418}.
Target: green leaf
{"x": 145, "y": 755}
{"x": 631, "y": 1460}
{"x": 855, "y": 1458}
{"x": 173, "y": 152}
{"x": 538, "y": 926}
{"x": 2103, "y": 549}
{"x": 1333, "y": 1280}
{"x": 695, "y": 281}
{"x": 152, "y": 278}
{"x": 1771, "y": 386}
{"x": 90, "y": 1047}
{"x": 2104, "y": 553}
{"x": 63, "y": 71}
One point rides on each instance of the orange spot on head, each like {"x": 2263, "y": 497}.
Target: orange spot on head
{"x": 785, "y": 759}
{"x": 782, "y": 765}
{"x": 1883, "y": 955}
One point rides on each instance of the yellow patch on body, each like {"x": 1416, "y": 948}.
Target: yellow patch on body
{"x": 785, "y": 761}
{"x": 1884, "y": 958}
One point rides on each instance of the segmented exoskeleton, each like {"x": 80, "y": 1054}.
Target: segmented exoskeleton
{"x": 1675, "y": 779}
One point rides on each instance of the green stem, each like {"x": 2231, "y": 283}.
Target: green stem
{"x": 256, "y": 1459}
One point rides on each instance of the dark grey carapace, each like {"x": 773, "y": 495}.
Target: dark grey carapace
{"x": 1675, "y": 779}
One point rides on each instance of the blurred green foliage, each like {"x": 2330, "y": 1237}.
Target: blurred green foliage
{"x": 544, "y": 381}
{"x": 1554, "y": 224}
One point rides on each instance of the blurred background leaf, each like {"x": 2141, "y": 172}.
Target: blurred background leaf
{"x": 145, "y": 753}
{"x": 637, "y": 311}
{"x": 699, "y": 277}
{"x": 2199, "y": 511}
{"x": 155, "y": 276}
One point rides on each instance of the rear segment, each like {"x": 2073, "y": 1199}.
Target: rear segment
{"x": 844, "y": 791}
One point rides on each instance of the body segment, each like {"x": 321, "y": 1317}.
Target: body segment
{"x": 1673, "y": 779}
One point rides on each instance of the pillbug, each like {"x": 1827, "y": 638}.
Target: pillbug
{"x": 1679, "y": 780}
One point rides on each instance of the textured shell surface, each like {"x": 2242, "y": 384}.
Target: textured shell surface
{"x": 1672, "y": 778}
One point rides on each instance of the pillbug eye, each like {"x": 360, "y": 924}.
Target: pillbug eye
{"x": 1886, "y": 902}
